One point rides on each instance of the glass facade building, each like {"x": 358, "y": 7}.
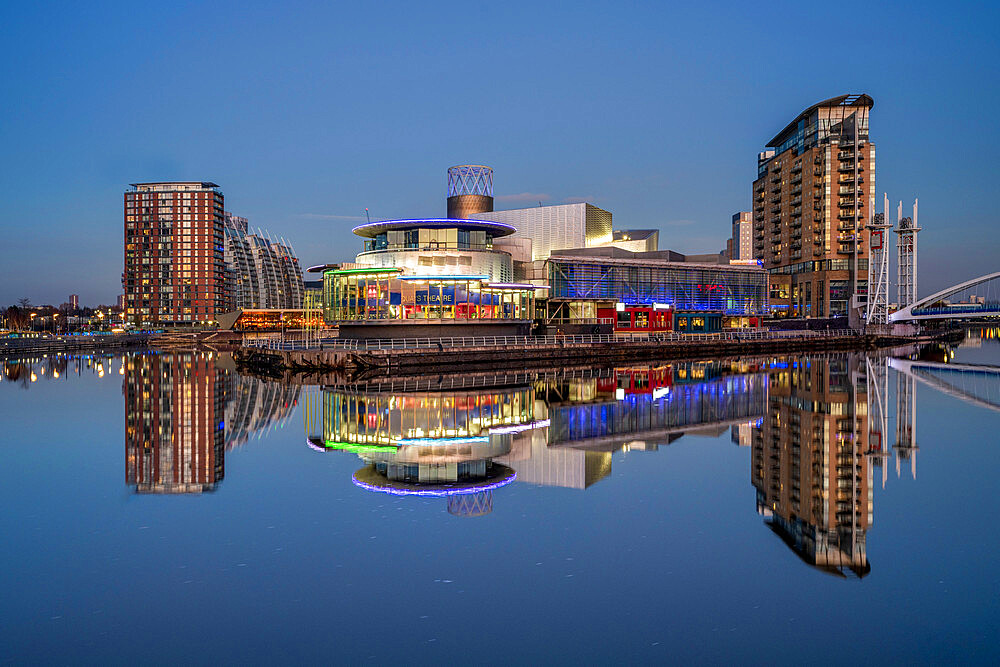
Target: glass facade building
{"x": 262, "y": 272}
{"x": 437, "y": 246}
{"x": 731, "y": 290}
{"x": 812, "y": 199}
{"x": 355, "y": 295}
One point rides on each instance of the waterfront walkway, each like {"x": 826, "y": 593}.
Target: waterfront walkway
{"x": 276, "y": 342}
{"x": 289, "y": 359}
{"x": 53, "y": 344}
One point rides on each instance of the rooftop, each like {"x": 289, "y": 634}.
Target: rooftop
{"x": 162, "y": 186}
{"x": 851, "y": 100}
{"x": 634, "y": 234}
{"x": 372, "y": 229}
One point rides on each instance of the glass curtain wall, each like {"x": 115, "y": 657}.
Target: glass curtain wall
{"x": 388, "y": 419}
{"x": 733, "y": 292}
{"x": 363, "y": 295}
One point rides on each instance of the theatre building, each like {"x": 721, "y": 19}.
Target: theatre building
{"x": 642, "y": 293}
{"x": 429, "y": 277}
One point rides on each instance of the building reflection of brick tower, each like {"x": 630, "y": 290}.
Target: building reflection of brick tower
{"x": 810, "y": 465}
{"x": 174, "y": 422}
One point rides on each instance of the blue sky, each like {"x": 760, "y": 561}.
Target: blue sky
{"x": 306, "y": 114}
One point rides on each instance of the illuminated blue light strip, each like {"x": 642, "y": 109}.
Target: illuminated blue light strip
{"x": 458, "y": 222}
{"x": 434, "y": 493}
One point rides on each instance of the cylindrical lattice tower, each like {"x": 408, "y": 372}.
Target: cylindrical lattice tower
{"x": 470, "y": 190}
{"x": 471, "y": 504}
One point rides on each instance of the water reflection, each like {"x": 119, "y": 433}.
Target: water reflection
{"x": 821, "y": 430}
{"x": 183, "y": 410}
{"x": 810, "y": 461}
{"x": 557, "y": 428}
{"x": 426, "y": 443}
{"x": 24, "y": 371}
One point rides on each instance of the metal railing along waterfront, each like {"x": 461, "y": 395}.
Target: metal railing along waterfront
{"x": 276, "y": 343}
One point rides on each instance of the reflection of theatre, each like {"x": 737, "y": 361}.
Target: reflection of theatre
{"x": 551, "y": 432}
{"x": 183, "y": 410}
{"x": 438, "y": 444}
{"x": 810, "y": 465}
{"x": 656, "y": 404}
{"x": 174, "y": 422}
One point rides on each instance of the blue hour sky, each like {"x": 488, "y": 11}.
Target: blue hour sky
{"x": 307, "y": 113}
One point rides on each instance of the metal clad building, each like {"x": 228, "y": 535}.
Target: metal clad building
{"x": 553, "y": 228}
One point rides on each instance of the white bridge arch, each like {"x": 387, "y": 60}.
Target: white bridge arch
{"x": 927, "y": 308}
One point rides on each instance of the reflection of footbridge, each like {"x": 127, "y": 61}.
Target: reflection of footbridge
{"x": 972, "y": 383}
{"x": 979, "y": 297}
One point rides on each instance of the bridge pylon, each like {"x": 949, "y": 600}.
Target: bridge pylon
{"x": 878, "y": 266}
{"x": 906, "y": 256}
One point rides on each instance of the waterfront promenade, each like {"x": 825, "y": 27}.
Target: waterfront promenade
{"x": 15, "y": 347}
{"x": 279, "y": 357}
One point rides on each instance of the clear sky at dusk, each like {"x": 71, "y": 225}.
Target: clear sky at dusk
{"x": 307, "y": 113}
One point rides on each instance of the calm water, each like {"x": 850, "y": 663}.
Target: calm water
{"x": 819, "y": 509}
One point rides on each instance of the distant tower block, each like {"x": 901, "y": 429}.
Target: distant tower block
{"x": 470, "y": 190}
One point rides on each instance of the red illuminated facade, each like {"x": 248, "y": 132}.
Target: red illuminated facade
{"x": 175, "y": 272}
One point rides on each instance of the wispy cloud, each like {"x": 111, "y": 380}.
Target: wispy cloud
{"x": 524, "y": 196}
{"x": 330, "y": 216}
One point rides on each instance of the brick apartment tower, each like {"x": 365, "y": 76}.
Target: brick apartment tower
{"x": 175, "y": 272}
{"x": 813, "y": 196}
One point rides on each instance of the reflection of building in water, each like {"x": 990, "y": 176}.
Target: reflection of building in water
{"x": 182, "y": 410}
{"x": 254, "y": 405}
{"x": 559, "y": 430}
{"x": 26, "y": 370}
{"x": 742, "y": 434}
{"x": 174, "y": 422}
{"x": 439, "y": 444}
{"x": 906, "y": 422}
{"x": 810, "y": 465}
{"x": 657, "y": 404}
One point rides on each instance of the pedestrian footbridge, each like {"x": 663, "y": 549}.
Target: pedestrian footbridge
{"x": 979, "y": 297}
